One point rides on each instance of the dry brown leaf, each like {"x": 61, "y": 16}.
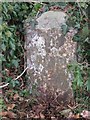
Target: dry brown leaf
{"x": 21, "y": 99}
{"x": 8, "y": 114}
{"x": 10, "y": 106}
{"x": 1, "y": 91}
{"x": 7, "y": 72}
{"x": 22, "y": 114}
{"x": 36, "y": 117}
{"x": 11, "y": 114}
{"x": 3, "y": 114}
{"x": 16, "y": 96}
{"x": 9, "y": 91}
{"x": 77, "y": 116}
{"x": 42, "y": 116}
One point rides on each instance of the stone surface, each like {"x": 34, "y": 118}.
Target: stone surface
{"x": 48, "y": 52}
{"x": 51, "y": 20}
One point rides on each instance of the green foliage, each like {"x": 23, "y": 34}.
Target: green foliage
{"x": 88, "y": 84}
{"x": 11, "y": 33}
{"x": 2, "y": 105}
{"x": 88, "y": 80}
{"x": 80, "y": 85}
{"x": 81, "y": 72}
{"x": 9, "y": 43}
{"x": 25, "y": 93}
{"x": 77, "y": 74}
{"x": 79, "y": 20}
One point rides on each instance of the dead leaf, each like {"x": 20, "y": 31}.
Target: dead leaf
{"x": 77, "y": 116}
{"x": 8, "y": 114}
{"x": 36, "y": 117}
{"x": 11, "y": 114}
{"x": 3, "y": 114}
{"x": 66, "y": 112}
{"x": 16, "y": 96}
{"x": 21, "y": 99}
{"x": 1, "y": 91}
{"x": 85, "y": 114}
{"x": 71, "y": 115}
{"x": 22, "y": 114}
{"x": 10, "y": 106}
{"x": 42, "y": 116}
{"x": 10, "y": 91}
{"x": 7, "y": 72}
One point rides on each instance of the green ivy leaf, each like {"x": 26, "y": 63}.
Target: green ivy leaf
{"x": 14, "y": 83}
{"x": 2, "y": 58}
{"x": 9, "y": 79}
{"x": 79, "y": 78}
{"x": 25, "y": 93}
{"x": 5, "y": 7}
{"x": 3, "y": 46}
{"x": 8, "y": 34}
{"x": 64, "y": 29}
{"x": 12, "y": 45}
{"x": 15, "y": 63}
{"x": 77, "y": 25}
{"x": 85, "y": 31}
{"x": 37, "y": 6}
{"x": 88, "y": 84}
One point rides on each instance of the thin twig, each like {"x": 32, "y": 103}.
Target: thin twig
{"x": 21, "y": 74}
{"x": 74, "y": 107}
{"x": 14, "y": 78}
{"x": 82, "y": 9}
{"x": 4, "y": 85}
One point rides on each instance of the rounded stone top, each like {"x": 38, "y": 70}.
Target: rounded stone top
{"x": 51, "y": 19}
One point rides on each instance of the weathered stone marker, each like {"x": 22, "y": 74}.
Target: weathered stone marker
{"x": 48, "y": 53}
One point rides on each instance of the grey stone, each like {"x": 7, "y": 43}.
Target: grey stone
{"x": 51, "y": 19}
{"x": 48, "y": 52}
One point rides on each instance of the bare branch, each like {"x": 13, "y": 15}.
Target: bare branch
{"x": 4, "y": 85}
{"x": 21, "y": 74}
{"x": 14, "y": 78}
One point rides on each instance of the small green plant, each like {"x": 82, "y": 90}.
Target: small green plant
{"x": 2, "y": 105}
{"x": 77, "y": 75}
{"x": 79, "y": 17}
{"x": 25, "y": 93}
{"x": 80, "y": 84}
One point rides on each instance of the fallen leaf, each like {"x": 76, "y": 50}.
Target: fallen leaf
{"x": 3, "y": 114}
{"x": 8, "y": 114}
{"x": 11, "y": 114}
{"x": 77, "y": 116}
{"x": 21, "y": 99}
{"x": 36, "y": 117}
{"x": 42, "y": 116}
{"x": 10, "y": 106}
{"x": 22, "y": 114}
{"x": 7, "y": 72}
{"x": 16, "y": 96}
{"x": 65, "y": 112}
{"x": 71, "y": 115}
{"x": 1, "y": 92}
{"x": 85, "y": 114}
